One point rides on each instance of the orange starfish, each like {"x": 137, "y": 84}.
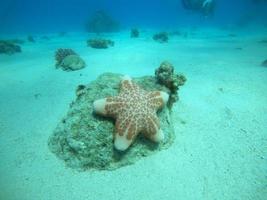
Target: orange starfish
{"x": 135, "y": 111}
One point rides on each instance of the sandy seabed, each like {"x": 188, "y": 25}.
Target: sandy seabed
{"x": 220, "y": 151}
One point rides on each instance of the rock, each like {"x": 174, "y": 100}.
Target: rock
{"x": 264, "y": 63}
{"x": 134, "y": 33}
{"x": 61, "y": 54}
{"x": 8, "y": 47}
{"x": 62, "y": 34}
{"x": 166, "y": 76}
{"x": 84, "y": 140}
{"x": 68, "y": 60}
{"x": 101, "y": 22}
{"x": 100, "y": 43}
{"x": 161, "y": 37}
{"x": 264, "y": 41}
{"x": 45, "y": 37}
{"x": 72, "y": 63}
{"x": 31, "y": 38}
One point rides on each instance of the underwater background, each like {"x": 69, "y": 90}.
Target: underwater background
{"x": 47, "y": 16}
{"x": 57, "y": 57}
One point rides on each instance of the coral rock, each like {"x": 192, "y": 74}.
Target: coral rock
{"x": 68, "y": 60}
{"x": 31, "y": 38}
{"x": 134, "y": 33}
{"x": 8, "y": 47}
{"x": 166, "y": 76}
{"x": 161, "y": 37}
{"x": 61, "y": 54}
{"x": 72, "y": 63}
{"x": 100, "y": 43}
{"x": 102, "y": 22}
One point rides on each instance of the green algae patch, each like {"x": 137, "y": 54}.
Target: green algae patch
{"x": 85, "y": 141}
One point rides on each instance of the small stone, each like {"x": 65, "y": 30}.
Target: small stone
{"x": 31, "y": 39}
{"x": 134, "y": 33}
{"x": 161, "y": 37}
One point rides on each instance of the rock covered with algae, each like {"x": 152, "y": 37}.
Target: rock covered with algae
{"x": 100, "y": 43}
{"x": 68, "y": 60}
{"x": 85, "y": 141}
{"x": 9, "y": 47}
{"x": 166, "y": 76}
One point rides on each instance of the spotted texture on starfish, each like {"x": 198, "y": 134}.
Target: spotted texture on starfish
{"x": 135, "y": 111}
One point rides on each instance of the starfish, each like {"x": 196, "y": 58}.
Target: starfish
{"x": 135, "y": 111}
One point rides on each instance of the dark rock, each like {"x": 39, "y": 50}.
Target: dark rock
{"x": 80, "y": 90}
{"x": 31, "y": 39}
{"x": 264, "y": 63}
{"x": 101, "y": 22}
{"x": 84, "y": 140}
{"x": 166, "y": 76}
{"x": 161, "y": 37}
{"x": 264, "y": 41}
{"x": 100, "y": 43}
{"x": 16, "y": 41}
{"x": 8, "y": 47}
{"x": 134, "y": 33}
{"x": 62, "y": 34}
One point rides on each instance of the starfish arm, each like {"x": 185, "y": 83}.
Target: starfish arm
{"x": 158, "y": 99}
{"x": 152, "y": 129}
{"x": 127, "y": 85}
{"x": 109, "y": 106}
{"x": 99, "y": 106}
{"x": 125, "y": 132}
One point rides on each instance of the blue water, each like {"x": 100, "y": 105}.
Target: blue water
{"x": 71, "y": 15}
{"x": 219, "y": 151}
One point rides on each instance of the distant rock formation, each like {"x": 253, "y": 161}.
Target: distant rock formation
{"x": 101, "y": 22}
{"x": 100, "y": 43}
{"x": 135, "y": 33}
{"x": 30, "y": 38}
{"x": 264, "y": 63}
{"x": 161, "y": 37}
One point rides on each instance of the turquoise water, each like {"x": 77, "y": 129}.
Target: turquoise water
{"x": 220, "y": 145}
{"x": 61, "y": 15}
